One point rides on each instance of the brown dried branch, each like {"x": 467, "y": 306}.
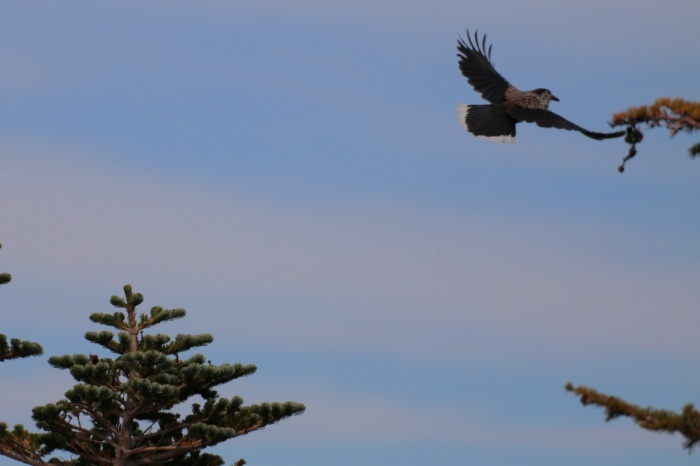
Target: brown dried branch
{"x": 674, "y": 114}
{"x": 686, "y": 423}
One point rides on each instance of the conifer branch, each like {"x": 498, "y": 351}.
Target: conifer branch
{"x": 17, "y": 348}
{"x": 5, "y": 277}
{"x": 686, "y": 423}
{"x": 140, "y": 385}
{"x": 674, "y": 114}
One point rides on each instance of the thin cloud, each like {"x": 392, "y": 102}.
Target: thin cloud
{"x": 358, "y": 271}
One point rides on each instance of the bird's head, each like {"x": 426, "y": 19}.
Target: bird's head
{"x": 545, "y": 96}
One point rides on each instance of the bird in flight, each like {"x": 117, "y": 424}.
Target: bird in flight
{"x": 508, "y": 104}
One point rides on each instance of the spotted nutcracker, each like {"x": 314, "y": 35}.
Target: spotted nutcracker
{"x": 509, "y": 105}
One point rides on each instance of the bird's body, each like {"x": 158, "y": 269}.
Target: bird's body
{"x": 509, "y": 105}
{"x": 539, "y": 98}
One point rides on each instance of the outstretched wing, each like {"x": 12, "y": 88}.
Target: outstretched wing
{"x": 547, "y": 119}
{"x": 475, "y": 64}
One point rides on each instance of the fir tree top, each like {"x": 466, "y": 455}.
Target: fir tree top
{"x": 119, "y": 411}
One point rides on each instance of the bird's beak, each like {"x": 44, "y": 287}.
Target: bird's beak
{"x": 555, "y": 99}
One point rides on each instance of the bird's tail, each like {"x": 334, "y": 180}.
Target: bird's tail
{"x": 487, "y": 121}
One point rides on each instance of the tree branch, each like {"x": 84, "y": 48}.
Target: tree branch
{"x": 675, "y": 114}
{"x": 686, "y": 423}
{"x": 23, "y": 459}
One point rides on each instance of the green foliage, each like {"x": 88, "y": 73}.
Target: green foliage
{"x": 159, "y": 315}
{"x": 132, "y": 299}
{"x": 18, "y": 348}
{"x": 104, "y": 338}
{"x": 159, "y": 342}
{"x": 118, "y": 319}
{"x": 4, "y": 277}
{"x": 118, "y": 411}
{"x": 694, "y": 150}
{"x": 115, "y": 320}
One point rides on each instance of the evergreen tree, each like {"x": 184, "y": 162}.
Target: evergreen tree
{"x": 686, "y": 423}
{"x": 16, "y": 348}
{"x": 675, "y": 114}
{"x": 119, "y": 412}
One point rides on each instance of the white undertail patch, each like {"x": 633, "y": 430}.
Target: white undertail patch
{"x": 504, "y": 139}
{"x": 463, "y": 109}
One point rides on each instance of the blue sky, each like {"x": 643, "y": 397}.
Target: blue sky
{"x": 293, "y": 175}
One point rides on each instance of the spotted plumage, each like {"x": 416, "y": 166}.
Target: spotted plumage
{"x": 508, "y": 105}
